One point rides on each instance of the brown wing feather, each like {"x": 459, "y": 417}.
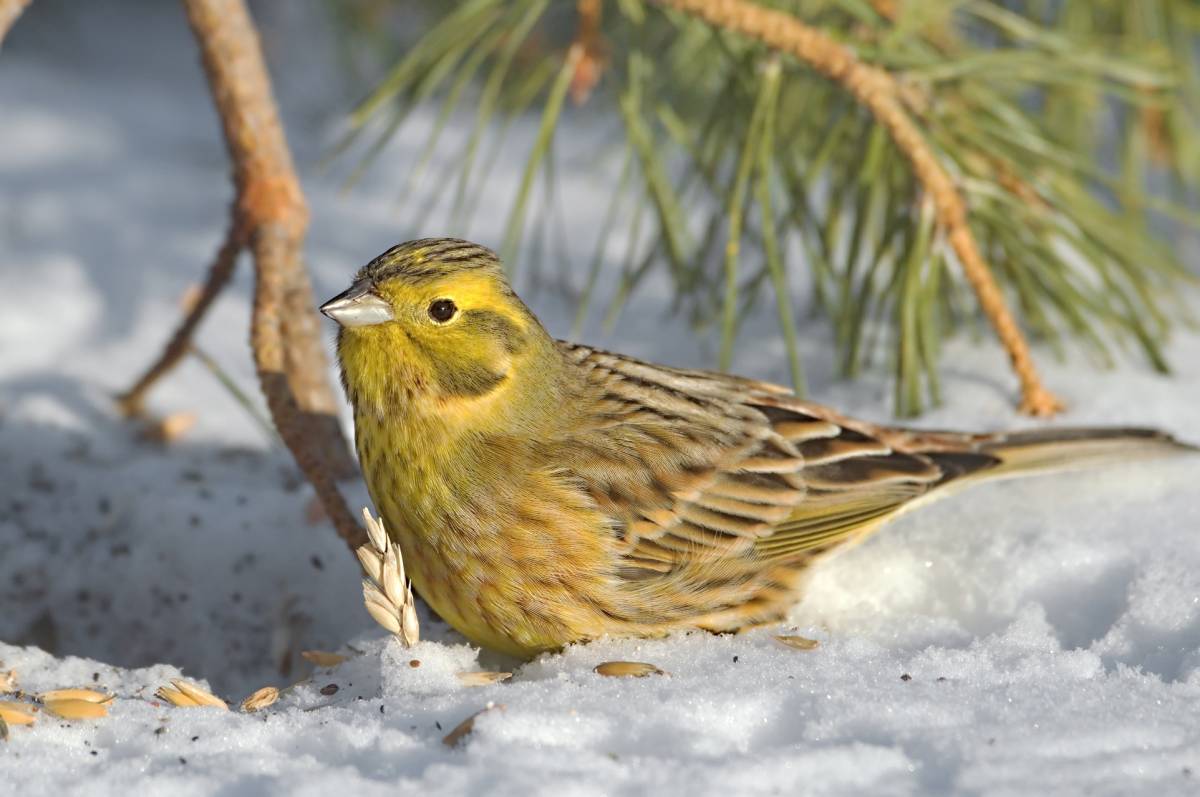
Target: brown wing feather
{"x": 730, "y": 487}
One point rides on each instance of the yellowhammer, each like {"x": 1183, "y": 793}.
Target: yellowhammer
{"x": 544, "y": 492}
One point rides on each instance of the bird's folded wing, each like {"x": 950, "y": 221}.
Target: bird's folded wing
{"x": 701, "y": 469}
{"x": 771, "y": 503}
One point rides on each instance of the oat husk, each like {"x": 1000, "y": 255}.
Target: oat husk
{"x": 17, "y": 713}
{"x": 322, "y": 658}
{"x": 86, "y": 695}
{"x": 798, "y": 642}
{"x": 188, "y": 695}
{"x": 75, "y": 709}
{"x": 463, "y": 729}
{"x": 626, "y": 669}
{"x": 260, "y": 699}
{"x": 482, "y": 678}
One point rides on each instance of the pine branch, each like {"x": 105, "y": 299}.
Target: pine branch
{"x": 996, "y": 114}
{"x": 877, "y": 91}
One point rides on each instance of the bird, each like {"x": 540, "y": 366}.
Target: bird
{"x": 544, "y": 493}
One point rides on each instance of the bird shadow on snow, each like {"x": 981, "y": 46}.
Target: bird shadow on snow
{"x": 200, "y": 555}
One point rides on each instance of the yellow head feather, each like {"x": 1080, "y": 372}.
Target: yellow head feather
{"x": 459, "y": 342}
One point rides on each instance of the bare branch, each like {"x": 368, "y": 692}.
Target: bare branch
{"x": 9, "y": 11}
{"x": 273, "y": 246}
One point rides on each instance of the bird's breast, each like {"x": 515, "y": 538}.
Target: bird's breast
{"x": 512, "y": 555}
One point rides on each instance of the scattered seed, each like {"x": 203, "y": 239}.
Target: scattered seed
{"x": 86, "y": 695}
{"x": 188, "y": 695}
{"x": 260, "y": 699}
{"x": 75, "y": 709}
{"x": 798, "y": 642}
{"x": 170, "y": 428}
{"x": 175, "y": 697}
{"x": 322, "y": 658}
{"x": 627, "y": 669}
{"x": 414, "y": 663}
{"x": 906, "y": 677}
{"x": 482, "y": 678}
{"x": 8, "y": 681}
{"x": 329, "y": 689}
{"x": 464, "y": 728}
{"x": 17, "y": 713}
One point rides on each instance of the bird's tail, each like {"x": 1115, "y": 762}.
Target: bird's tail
{"x": 1004, "y": 454}
{"x": 1070, "y": 448}
{"x": 1056, "y": 449}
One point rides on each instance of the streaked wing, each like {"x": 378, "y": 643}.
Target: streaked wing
{"x": 719, "y": 479}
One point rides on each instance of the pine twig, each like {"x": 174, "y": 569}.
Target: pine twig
{"x": 270, "y": 208}
{"x": 9, "y": 11}
{"x": 879, "y": 93}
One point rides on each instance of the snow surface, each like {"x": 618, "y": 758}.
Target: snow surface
{"x": 1040, "y": 636}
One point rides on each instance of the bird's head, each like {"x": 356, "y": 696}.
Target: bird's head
{"x": 434, "y": 322}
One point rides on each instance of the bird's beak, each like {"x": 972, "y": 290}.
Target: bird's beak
{"x": 358, "y": 307}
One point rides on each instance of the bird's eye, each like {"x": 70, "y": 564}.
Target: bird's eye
{"x": 442, "y": 310}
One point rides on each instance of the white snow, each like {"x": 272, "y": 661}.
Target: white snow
{"x": 1038, "y": 636}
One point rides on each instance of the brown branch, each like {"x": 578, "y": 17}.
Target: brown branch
{"x": 9, "y": 11}
{"x": 878, "y": 91}
{"x": 270, "y": 208}
{"x": 591, "y": 64}
{"x": 218, "y": 277}
{"x": 307, "y": 369}
{"x": 273, "y": 245}
{"x": 888, "y": 9}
